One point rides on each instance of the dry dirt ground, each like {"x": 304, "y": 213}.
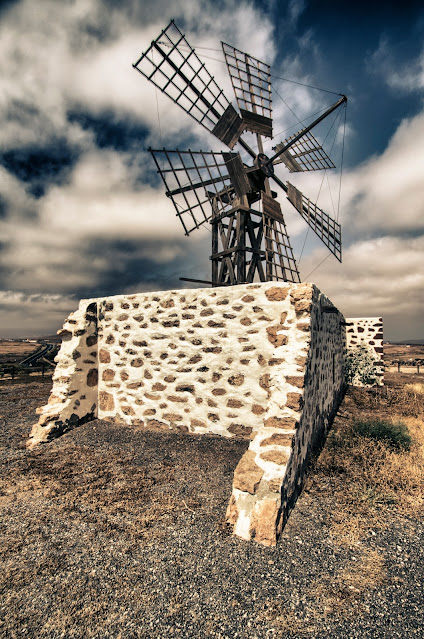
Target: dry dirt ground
{"x": 111, "y": 531}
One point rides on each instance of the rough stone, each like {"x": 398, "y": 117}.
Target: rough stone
{"x": 104, "y": 356}
{"x": 239, "y": 430}
{"x": 294, "y": 401}
{"x": 302, "y": 292}
{"x": 158, "y": 386}
{"x": 234, "y": 403}
{"x": 263, "y": 528}
{"x": 257, "y": 409}
{"x": 198, "y": 423}
{"x": 277, "y": 456}
{"x": 108, "y": 375}
{"x": 236, "y": 380}
{"x": 264, "y": 381}
{"x": 296, "y": 380}
{"x": 247, "y": 474}
{"x": 303, "y": 307}
{"x": 106, "y": 402}
{"x": 277, "y": 294}
{"x": 285, "y": 423}
{"x": 275, "y": 338}
{"x": 232, "y": 513}
{"x": 278, "y": 439}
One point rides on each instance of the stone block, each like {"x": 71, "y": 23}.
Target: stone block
{"x": 277, "y": 294}
{"x": 277, "y": 456}
{"x": 247, "y": 474}
{"x": 263, "y": 522}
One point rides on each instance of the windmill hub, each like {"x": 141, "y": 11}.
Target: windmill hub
{"x": 263, "y": 163}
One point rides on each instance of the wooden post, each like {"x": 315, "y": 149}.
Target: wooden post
{"x": 240, "y": 255}
{"x": 215, "y": 231}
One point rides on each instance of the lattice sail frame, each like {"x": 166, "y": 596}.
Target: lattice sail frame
{"x": 304, "y": 155}
{"x": 280, "y": 262}
{"x": 251, "y": 81}
{"x": 327, "y": 229}
{"x": 193, "y": 179}
{"x": 172, "y": 65}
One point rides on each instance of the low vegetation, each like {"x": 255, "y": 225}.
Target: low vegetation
{"x": 374, "y": 458}
{"x": 394, "y": 435}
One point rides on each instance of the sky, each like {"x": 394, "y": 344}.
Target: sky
{"x": 82, "y": 211}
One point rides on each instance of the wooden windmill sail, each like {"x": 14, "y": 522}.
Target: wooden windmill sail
{"x": 219, "y": 188}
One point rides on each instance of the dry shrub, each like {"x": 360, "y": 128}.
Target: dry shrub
{"x": 408, "y": 400}
{"x": 368, "y": 477}
{"x": 394, "y": 435}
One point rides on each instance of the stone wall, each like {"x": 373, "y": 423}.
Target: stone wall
{"x": 367, "y": 333}
{"x": 258, "y": 361}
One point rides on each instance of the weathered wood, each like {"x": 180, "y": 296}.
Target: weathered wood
{"x": 237, "y": 173}
{"x": 327, "y": 229}
{"x": 271, "y": 208}
{"x": 257, "y": 123}
{"x": 229, "y": 127}
{"x": 304, "y": 155}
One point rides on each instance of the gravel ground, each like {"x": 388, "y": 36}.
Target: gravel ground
{"x": 111, "y": 531}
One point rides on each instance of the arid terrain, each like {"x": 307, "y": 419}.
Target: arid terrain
{"x": 15, "y": 351}
{"x": 113, "y": 531}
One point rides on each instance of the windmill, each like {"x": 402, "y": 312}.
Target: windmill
{"x": 221, "y": 189}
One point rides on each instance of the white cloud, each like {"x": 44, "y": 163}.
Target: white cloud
{"x": 102, "y": 201}
{"x": 378, "y": 277}
{"x": 407, "y": 76}
{"x": 387, "y": 192}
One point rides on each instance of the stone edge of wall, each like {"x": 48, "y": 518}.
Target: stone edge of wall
{"x": 267, "y": 481}
{"x": 73, "y": 400}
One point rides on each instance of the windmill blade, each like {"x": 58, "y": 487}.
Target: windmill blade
{"x": 251, "y": 82}
{"x": 305, "y": 154}
{"x": 172, "y": 65}
{"x": 327, "y": 229}
{"x": 280, "y": 262}
{"x": 195, "y": 179}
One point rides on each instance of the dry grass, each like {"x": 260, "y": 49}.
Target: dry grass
{"x": 15, "y": 351}
{"x": 368, "y": 477}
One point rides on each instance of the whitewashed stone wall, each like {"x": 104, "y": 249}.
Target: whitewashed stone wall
{"x": 259, "y": 361}
{"x": 368, "y": 332}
